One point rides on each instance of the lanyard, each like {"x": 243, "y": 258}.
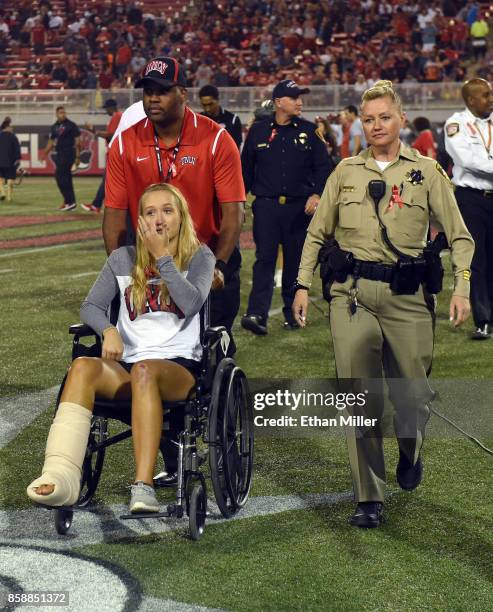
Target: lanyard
{"x": 487, "y": 146}
{"x": 171, "y": 167}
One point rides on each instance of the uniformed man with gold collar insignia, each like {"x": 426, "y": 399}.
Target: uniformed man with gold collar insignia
{"x": 285, "y": 166}
{"x": 377, "y": 207}
{"x": 469, "y": 141}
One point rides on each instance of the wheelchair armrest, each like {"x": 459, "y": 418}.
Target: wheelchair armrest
{"x": 81, "y": 330}
{"x": 212, "y": 334}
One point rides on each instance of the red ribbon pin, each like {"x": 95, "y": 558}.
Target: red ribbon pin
{"x": 395, "y": 198}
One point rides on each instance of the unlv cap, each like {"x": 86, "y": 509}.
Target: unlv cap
{"x": 163, "y": 71}
{"x": 289, "y": 89}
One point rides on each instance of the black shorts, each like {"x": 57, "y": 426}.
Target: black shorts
{"x": 189, "y": 364}
{"x": 8, "y": 173}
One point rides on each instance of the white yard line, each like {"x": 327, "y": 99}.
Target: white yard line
{"x": 17, "y": 412}
{"x": 84, "y": 274}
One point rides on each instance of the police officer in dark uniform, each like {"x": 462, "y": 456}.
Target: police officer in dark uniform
{"x": 209, "y": 99}
{"x": 285, "y": 166}
{"x": 65, "y": 137}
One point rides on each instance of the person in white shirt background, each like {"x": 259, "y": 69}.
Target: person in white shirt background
{"x": 469, "y": 142}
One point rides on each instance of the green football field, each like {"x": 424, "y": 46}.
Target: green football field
{"x": 291, "y": 548}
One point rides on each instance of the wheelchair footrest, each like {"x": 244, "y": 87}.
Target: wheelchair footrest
{"x": 144, "y": 515}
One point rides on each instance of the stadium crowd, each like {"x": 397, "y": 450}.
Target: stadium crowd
{"x": 244, "y": 42}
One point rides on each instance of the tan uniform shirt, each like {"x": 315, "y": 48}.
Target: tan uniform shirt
{"x": 346, "y": 212}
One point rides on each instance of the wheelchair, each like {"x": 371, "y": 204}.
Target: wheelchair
{"x": 218, "y": 412}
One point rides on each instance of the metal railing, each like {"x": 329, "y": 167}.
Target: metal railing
{"x": 321, "y": 99}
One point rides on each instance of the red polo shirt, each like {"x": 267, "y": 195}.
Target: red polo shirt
{"x": 208, "y": 170}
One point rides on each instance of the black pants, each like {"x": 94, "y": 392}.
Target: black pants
{"x": 275, "y": 224}
{"x": 477, "y": 211}
{"x": 225, "y": 304}
{"x": 99, "y": 197}
{"x": 63, "y": 175}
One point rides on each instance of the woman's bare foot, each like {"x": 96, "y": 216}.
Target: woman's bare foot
{"x": 45, "y": 489}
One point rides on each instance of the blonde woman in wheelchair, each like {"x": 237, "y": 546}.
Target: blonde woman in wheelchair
{"x": 151, "y": 355}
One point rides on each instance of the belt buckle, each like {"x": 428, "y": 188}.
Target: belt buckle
{"x": 282, "y": 199}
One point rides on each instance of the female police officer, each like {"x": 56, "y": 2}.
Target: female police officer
{"x": 377, "y": 207}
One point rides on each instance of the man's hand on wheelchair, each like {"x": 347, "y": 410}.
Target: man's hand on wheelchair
{"x": 112, "y": 344}
{"x": 218, "y": 280}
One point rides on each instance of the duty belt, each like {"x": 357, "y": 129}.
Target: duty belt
{"x": 373, "y": 270}
{"x": 282, "y": 199}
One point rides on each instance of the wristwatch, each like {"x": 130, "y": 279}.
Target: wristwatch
{"x": 297, "y": 286}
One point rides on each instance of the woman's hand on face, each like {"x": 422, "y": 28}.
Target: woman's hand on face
{"x": 157, "y": 244}
{"x": 112, "y": 344}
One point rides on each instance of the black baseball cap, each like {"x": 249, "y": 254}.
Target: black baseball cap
{"x": 111, "y": 103}
{"x": 288, "y": 88}
{"x": 163, "y": 71}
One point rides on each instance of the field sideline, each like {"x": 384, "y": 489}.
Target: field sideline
{"x": 292, "y": 549}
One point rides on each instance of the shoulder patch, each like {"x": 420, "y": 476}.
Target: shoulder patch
{"x": 452, "y": 129}
{"x": 443, "y": 173}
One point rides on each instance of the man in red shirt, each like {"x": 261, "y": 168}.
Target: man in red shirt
{"x": 111, "y": 108}
{"x": 173, "y": 144}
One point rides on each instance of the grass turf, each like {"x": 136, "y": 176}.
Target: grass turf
{"x": 435, "y": 551}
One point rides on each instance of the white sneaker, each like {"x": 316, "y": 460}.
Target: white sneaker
{"x": 66, "y": 207}
{"x": 142, "y": 498}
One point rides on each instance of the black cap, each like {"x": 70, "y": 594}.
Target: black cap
{"x": 111, "y": 103}
{"x": 289, "y": 89}
{"x": 163, "y": 71}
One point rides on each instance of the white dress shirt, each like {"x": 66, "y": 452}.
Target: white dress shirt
{"x": 469, "y": 142}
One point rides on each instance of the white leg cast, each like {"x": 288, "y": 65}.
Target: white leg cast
{"x": 64, "y": 455}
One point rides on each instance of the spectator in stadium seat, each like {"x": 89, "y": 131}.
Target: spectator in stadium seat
{"x": 209, "y": 100}
{"x": 11, "y": 81}
{"x": 479, "y": 34}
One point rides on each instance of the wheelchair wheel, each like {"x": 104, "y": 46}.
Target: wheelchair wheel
{"x": 63, "y": 520}
{"x": 230, "y": 438}
{"x": 197, "y": 509}
{"x": 93, "y": 461}
{"x": 237, "y": 440}
{"x": 219, "y": 389}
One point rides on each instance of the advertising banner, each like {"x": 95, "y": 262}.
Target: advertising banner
{"x": 33, "y": 140}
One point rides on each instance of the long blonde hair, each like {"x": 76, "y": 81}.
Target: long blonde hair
{"x": 382, "y": 89}
{"x": 145, "y": 264}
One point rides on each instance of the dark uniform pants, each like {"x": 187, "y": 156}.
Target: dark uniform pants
{"x": 224, "y": 305}
{"x": 274, "y": 224}
{"x": 99, "y": 197}
{"x": 63, "y": 176}
{"x": 477, "y": 212}
{"x": 394, "y": 334}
